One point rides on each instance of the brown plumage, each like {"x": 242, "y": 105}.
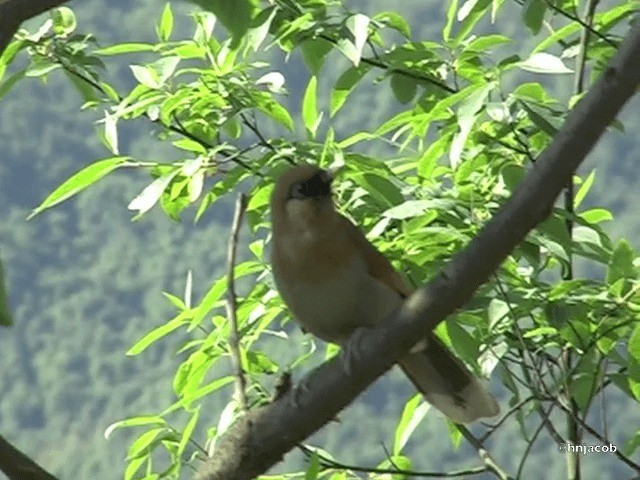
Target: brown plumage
{"x": 334, "y": 280}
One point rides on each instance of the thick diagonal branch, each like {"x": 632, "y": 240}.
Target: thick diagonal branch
{"x": 17, "y": 466}
{"x": 262, "y": 437}
{"x": 14, "y": 12}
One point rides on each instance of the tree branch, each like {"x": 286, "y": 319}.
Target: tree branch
{"x": 17, "y": 466}
{"x": 232, "y": 304}
{"x": 260, "y": 439}
{"x": 14, "y": 12}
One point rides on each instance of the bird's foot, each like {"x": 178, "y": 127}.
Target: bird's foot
{"x": 351, "y": 349}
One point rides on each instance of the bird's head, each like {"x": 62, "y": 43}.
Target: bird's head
{"x": 301, "y": 198}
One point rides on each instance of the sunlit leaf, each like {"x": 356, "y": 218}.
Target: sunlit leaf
{"x": 151, "y": 193}
{"x": 544, "y": 63}
{"x": 166, "y": 23}
{"x": 309, "y": 108}
{"x": 413, "y": 413}
{"x": 79, "y": 181}
{"x": 6, "y": 319}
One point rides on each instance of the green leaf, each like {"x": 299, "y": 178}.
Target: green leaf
{"x": 463, "y": 342}
{"x": 584, "y": 189}
{"x": 5, "y": 312}
{"x": 544, "y": 63}
{"x": 632, "y": 444}
{"x": 540, "y": 331}
{"x": 495, "y": 6}
{"x": 533, "y": 14}
{"x": 166, "y": 23}
{"x": 416, "y": 208}
{"x": 454, "y": 434}
{"x": 556, "y": 36}
{"x": 165, "y": 67}
{"x": 381, "y": 189}
{"x": 9, "y": 54}
{"x": 633, "y": 377}
{"x": 404, "y": 87}
{"x": 146, "y": 199}
{"x": 451, "y": 16}
{"x": 260, "y": 28}
{"x": 467, "y": 115}
{"x": 395, "y": 21}
{"x": 429, "y": 159}
{"x": 481, "y": 44}
{"x": 531, "y": 90}
{"x": 133, "y": 466}
{"x": 466, "y": 8}
{"x": 235, "y": 15}
{"x": 146, "y": 76}
{"x": 11, "y": 81}
{"x": 135, "y": 422}
{"x": 111, "y": 132}
{"x": 314, "y": 51}
{"x": 188, "y": 431}
{"x": 413, "y": 413}
{"x": 621, "y": 263}
{"x": 314, "y": 468}
{"x": 211, "y": 297}
{"x": 344, "y": 86}
{"x": 634, "y": 343}
{"x": 144, "y": 441}
{"x": 497, "y": 312}
{"x": 582, "y": 389}
{"x": 125, "y": 48}
{"x": 85, "y": 89}
{"x": 41, "y": 67}
{"x": 159, "y": 332}
{"x": 79, "y": 181}
{"x": 276, "y": 111}
{"x": 541, "y": 119}
{"x": 469, "y": 14}
{"x": 310, "y": 116}
{"x": 358, "y": 25}
{"x": 596, "y": 215}
{"x": 64, "y": 20}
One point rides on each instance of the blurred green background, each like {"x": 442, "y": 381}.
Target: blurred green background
{"x": 85, "y": 281}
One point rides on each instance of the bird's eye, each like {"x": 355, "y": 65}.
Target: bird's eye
{"x": 317, "y": 186}
{"x": 298, "y": 191}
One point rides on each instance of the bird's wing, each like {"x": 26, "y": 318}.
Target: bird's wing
{"x": 441, "y": 377}
{"x": 377, "y": 264}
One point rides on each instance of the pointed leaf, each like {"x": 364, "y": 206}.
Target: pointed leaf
{"x": 79, "y": 181}
{"x": 166, "y": 23}
{"x": 544, "y": 63}
{"x": 310, "y": 108}
{"x": 151, "y": 193}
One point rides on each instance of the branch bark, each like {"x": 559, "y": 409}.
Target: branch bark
{"x": 261, "y": 438}
{"x": 17, "y": 466}
{"x": 14, "y": 12}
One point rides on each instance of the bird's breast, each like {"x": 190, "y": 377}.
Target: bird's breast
{"x": 337, "y": 302}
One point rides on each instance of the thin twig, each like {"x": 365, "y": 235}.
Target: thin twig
{"x": 489, "y": 462}
{"x": 234, "y": 339}
{"x": 594, "y": 433}
{"x": 527, "y": 450}
{"x": 328, "y": 463}
{"x": 253, "y": 126}
{"x": 508, "y": 413}
{"x": 175, "y": 128}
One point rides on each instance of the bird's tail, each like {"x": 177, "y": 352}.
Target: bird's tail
{"x": 447, "y": 384}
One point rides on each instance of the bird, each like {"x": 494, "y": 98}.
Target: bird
{"x": 334, "y": 282}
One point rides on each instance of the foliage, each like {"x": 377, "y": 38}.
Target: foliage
{"x": 471, "y": 116}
